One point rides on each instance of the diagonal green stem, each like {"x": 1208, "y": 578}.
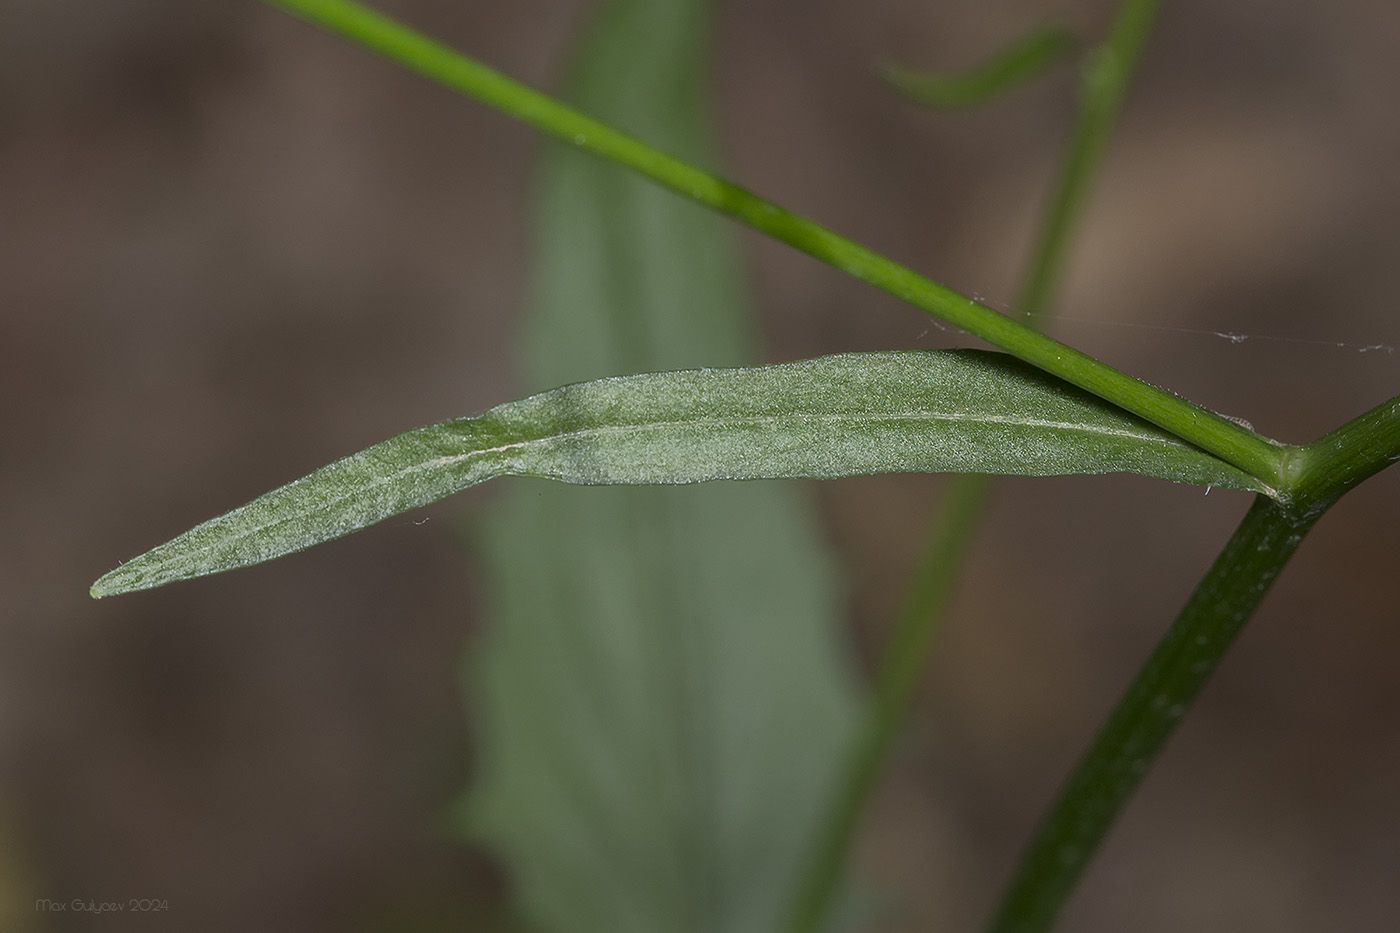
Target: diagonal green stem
{"x": 1323, "y": 471}
{"x": 1254, "y": 454}
{"x": 902, "y": 665}
{"x": 1147, "y": 715}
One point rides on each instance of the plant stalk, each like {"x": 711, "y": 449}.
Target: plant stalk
{"x": 1317, "y": 476}
{"x": 1323, "y": 471}
{"x": 901, "y": 669}
{"x": 1106, "y": 76}
{"x": 1147, "y": 715}
{"x": 1211, "y": 432}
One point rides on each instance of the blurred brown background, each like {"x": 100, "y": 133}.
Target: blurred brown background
{"x": 232, "y": 249}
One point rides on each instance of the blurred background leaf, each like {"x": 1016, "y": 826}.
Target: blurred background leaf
{"x": 1029, "y": 57}
{"x": 660, "y": 694}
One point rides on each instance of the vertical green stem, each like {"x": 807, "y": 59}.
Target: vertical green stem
{"x": 1148, "y": 714}
{"x": 1107, "y": 74}
{"x": 899, "y": 675}
{"x": 1106, "y": 78}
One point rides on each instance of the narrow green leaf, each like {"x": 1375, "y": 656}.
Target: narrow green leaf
{"x": 948, "y": 411}
{"x": 1024, "y": 60}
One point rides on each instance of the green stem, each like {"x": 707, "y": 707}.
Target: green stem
{"x": 1147, "y": 715}
{"x": 1211, "y": 432}
{"x": 1316, "y": 477}
{"x": 1106, "y": 77}
{"x": 900, "y": 672}
{"x": 903, "y": 662}
{"x": 1323, "y": 471}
